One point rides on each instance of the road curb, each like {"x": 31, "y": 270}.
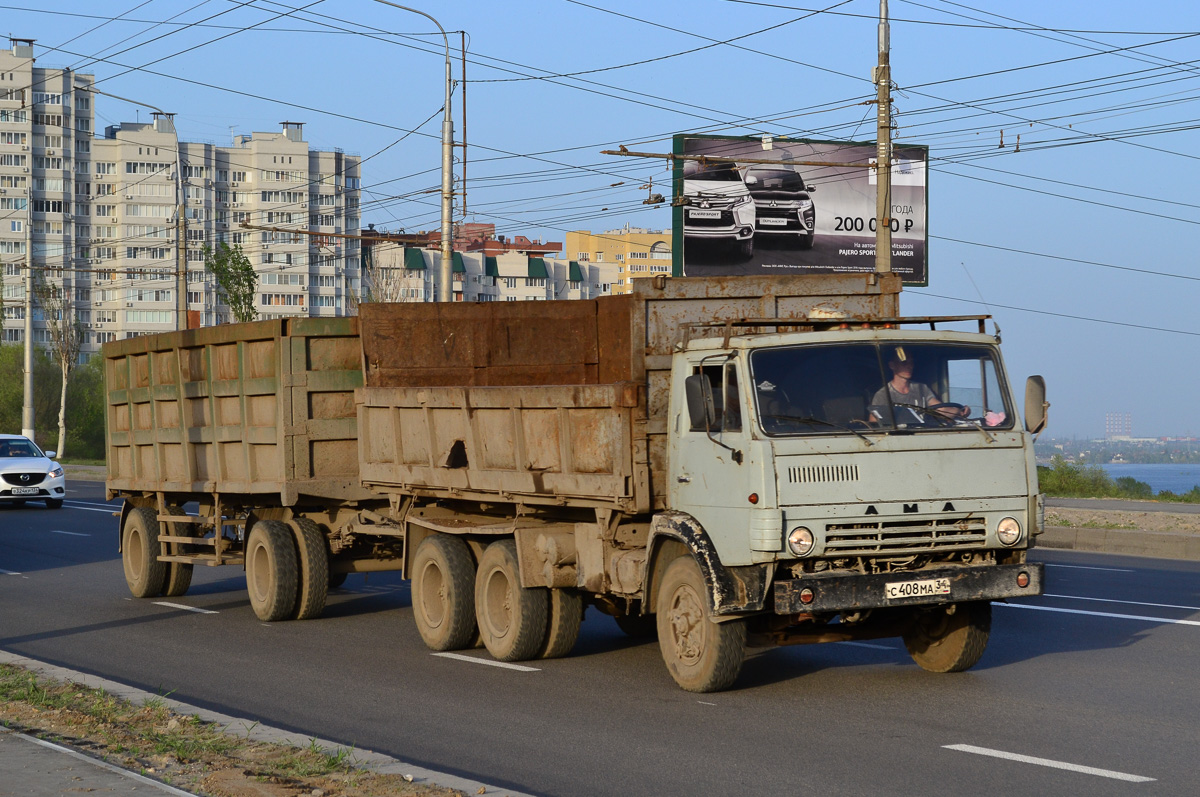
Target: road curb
{"x": 1130, "y": 542}
{"x": 256, "y": 731}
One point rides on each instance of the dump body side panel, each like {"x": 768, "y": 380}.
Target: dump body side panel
{"x": 555, "y": 445}
{"x": 258, "y": 408}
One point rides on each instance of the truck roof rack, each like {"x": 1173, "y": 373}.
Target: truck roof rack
{"x": 825, "y": 323}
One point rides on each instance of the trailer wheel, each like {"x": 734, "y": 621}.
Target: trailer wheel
{"x": 271, "y": 574}
{"x": 145, "y": 575}
{"x": 443, "y": 592}
{"x": 179, "y": 574}
{"x": 701, "y": 655}
{"x": 943, "y": 642}
{"x": 512, "y": 619}
{"x": 562, "y": 627}
{"x": 313, "y": 569}
{"x": 638, "y": 626}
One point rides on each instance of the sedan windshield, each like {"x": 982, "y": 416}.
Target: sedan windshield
{"x": 864, "y": 387}
{"x": 18, "y": 448}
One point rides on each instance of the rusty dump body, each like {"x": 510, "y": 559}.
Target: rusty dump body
{"x": 259, "y": 409}
{"x": 558, "y": 402}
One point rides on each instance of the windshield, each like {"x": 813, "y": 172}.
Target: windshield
{"x": 721, "y": 172}
{"x": 860, "y": 387}
{"x": 777, "y": 179}
{"x": 18, "y": 448}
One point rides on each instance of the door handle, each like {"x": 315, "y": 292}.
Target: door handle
{"x": 684, "y": 479}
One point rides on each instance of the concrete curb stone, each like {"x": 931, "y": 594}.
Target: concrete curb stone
{"x": 1158, "y": 544}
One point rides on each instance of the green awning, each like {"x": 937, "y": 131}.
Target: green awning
{"x": 573, "y": 272}
{"x": 456, "y": 263}
{"x": 490, "y": 267}
{"x": 537, "y": 268}
{"x": 413, "y": 259}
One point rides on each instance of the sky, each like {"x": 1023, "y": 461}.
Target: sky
{"x": 1076, "y": 242}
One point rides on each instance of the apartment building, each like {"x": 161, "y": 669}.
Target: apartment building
{"x": 633, "y": 252}
{"x": 101, "y": 212}
{"x": 397, "y": 273}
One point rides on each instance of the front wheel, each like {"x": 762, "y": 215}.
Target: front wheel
{"x": 701, "y": 655}
{"x": 950, "y": 639}
{"x": 54, "y": 503}
{"x": 512, "y": 619}
{"x": 746, "y": 249}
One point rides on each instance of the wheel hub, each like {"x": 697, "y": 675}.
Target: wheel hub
{"x": 686, "y": 617}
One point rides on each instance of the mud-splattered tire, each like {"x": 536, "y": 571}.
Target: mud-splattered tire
{"x": 701, "y": 655}
{"x": 179, "y": 574}
{"x": 54, "y": 503}
{"x": 512, "y": 619}
{"x": 942, "y": 642}
{"x": 443, "y": 593}
{"x": 272, "y": 579}
{"x": 145, "y": 575}
{"x": 638, "y": 626}
{"x": 562, "y": 626}
{"x": 313, "y": 568}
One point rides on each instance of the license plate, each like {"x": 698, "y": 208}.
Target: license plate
{"x": 704, "y": 214}
{"x": 770, "y": 222}
{"x": 916, "y": 589}
{"x": 25, "y": 491}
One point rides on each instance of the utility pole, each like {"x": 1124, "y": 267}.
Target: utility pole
{"x": 883, "y": 148}
{"x": 27, "y": 406}
{"x": 181, "y": 303}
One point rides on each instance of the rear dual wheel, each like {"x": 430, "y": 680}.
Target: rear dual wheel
{"x": 140, "y": 549}
{"x": 287, "y": 569}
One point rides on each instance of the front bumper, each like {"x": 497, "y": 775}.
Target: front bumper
{"x": 54, "y": 487}
{"x": 842, "y": 592}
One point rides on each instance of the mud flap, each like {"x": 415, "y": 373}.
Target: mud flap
{"x": 731, "y": 590}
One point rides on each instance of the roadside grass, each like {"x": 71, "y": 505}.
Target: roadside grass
{"x": 184, "y": 750}
{"x": 1058, "y": 520}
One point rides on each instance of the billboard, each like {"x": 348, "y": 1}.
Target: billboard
{"x": 783, "y": 206}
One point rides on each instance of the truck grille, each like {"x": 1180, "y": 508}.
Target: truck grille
{"x": 24, "y": 479}
{"x": 904, "y": 537}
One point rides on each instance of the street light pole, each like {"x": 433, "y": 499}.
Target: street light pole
{"x": 445, "y": 273}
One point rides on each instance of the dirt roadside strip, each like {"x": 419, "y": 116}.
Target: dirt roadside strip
{"x": 243, "y": 773}
{"x": 1161, "y": 534}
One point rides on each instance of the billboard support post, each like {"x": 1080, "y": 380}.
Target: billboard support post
{"x": 883, "y": 156}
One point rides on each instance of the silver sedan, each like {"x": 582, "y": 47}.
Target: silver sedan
{"x": 27, "y": 473}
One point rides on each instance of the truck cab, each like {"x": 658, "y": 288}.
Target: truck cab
{"x": 861, "y": 470}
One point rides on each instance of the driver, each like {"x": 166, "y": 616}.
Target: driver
{"x": 901, "y": 390}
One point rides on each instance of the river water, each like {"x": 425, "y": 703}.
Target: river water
{"x": 1176, "y": 478}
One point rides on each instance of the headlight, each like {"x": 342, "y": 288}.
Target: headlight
{"x": 801, "y": 541}
{"x": 742, "y": 201}
{"x": 1009, "y": 531}
{"x": 56, "y": 472}
{"x": 805, "y": 204}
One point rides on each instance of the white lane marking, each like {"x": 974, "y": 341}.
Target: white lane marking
{"x": 867, "y": 645}
{"x": 489, "y": 662}
{"x": 1101, "y": 614}
{"x": 1048, "y": 762}
{"x": 1114, "y": 600}
{"x": 110, "y": 511}
{"x": 93, "y": 503}
{"x": 9, "y": 572}
{"x": 70, "y": 533}
{"x": 1083, "y": 567}
{"x": 159, "y": 785}
{"x": 186, "y": 608}
{"x": 701, "y": 702}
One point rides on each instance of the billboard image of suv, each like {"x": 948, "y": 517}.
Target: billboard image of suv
{"x": 783, "y": 204}
{"x": 718, "y": 210}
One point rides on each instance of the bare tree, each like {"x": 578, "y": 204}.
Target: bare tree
{"x": 383, "y": 277}
{"x": 66, "y": 341}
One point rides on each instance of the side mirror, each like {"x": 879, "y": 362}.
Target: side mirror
{"x": 810, "y": 188}
{"x": 702, "y": 411}
{"x": 50, "y": 454}
{"x": 751, "y": 180}
{"x": 1035, "y": 404}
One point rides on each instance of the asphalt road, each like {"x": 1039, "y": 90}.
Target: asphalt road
{"x": 1100, "y": 678}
